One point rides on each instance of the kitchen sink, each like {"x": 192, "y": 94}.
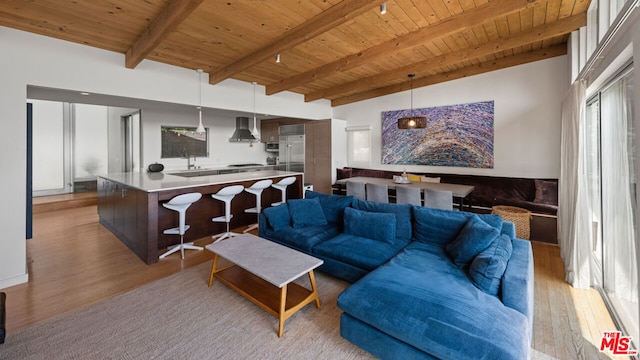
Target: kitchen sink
{"x": 231, "y": 169}
{"x": 192, "y": 173}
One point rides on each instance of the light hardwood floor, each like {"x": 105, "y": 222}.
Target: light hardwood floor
{"x": 73, "y": 262}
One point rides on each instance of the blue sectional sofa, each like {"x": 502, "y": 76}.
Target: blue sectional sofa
{"x": 426, "y": 283}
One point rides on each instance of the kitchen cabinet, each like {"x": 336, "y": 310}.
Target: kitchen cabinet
{"x": 269, "y": 130}
{"x": 117, "y": 208}
{"x": 317, "y": 168}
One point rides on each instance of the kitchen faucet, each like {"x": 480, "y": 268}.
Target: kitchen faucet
{"x": 189, "y": 164}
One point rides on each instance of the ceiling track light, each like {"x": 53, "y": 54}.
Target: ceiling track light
{"x": 278, "y": 58}
{"x": 383, "y": 8}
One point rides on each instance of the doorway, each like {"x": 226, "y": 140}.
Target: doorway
{"x": 73, "y": 143}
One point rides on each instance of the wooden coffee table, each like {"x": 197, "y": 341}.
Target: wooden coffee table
{"x": 263, "y": 272}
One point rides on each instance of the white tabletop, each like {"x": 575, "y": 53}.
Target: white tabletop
{"x": 151, "y": 182}
{"x": 457, "y": 189}
{"x": 266, "y": 259}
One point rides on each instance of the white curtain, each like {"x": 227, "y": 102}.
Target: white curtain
{"x": 618, "y": 192}
{"x": 574, "y": 225}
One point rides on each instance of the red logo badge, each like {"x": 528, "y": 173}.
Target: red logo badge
{"x": 616, "y": 343}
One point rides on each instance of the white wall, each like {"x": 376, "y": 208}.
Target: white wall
{"x": 526, "y": 120}
{"x": 221, "y": 151}
{"x": 29, "y": 59}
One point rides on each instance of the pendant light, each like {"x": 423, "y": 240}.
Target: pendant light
{"x": 255, "y": 132}
{"x": 200, "y": 129}
{"x": 412, "y": 122}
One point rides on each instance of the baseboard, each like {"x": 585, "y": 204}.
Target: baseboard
{"x": 14, "y": 280}
{"x": 3, "y": 317}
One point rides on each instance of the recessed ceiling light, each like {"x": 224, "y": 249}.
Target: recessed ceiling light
{"x": 383, "y": 8}
{"x": 85, "y": 94}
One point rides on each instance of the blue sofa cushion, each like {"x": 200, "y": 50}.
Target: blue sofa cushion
{"x": 306, "y": 212}
{"x": 332, "y": 205}
{"x": 487, "y": 268}
{"x": 306, "y": 238}
{"x": 475, "y": 236}
{"x": 402, "y": 211}
{"x": 278, "y": 216}
{"x": 421, "y": 298}
{"x": 442, "y": 226}
{"x": 358, "y": 251}
{"x": 376, "y": 226}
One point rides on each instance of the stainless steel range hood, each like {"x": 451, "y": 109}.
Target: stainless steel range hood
{"x": 242, "y": 133}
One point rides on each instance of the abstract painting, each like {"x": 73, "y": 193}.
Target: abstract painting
{"x": 456, "y": 135}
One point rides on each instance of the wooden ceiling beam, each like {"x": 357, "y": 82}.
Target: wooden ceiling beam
{"x": 449, "y": 26}
{"x": 167, "y": 21}
{"x": 488, "y": 66}
{"x": 539, "y": 33}
{"x": 319, "y": 24}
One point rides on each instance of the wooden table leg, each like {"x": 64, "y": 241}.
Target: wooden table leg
{"x": 213, "y": 269}
{"x": 283, "y": 305}
{"x": 314, "y": 290}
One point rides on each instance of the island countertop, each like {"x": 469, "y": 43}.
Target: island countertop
{"x": 154, "y": 182}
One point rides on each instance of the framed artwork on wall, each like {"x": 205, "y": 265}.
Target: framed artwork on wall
{"x": 456, "y": 135}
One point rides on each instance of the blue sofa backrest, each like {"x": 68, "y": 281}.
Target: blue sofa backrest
{"x": 332, "y": 205}
{"x": 442, "y": 226}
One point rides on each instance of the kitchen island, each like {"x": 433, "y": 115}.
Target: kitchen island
{"x": 130, "y": 205}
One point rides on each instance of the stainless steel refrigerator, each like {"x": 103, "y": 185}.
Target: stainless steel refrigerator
{"x": 291, "y": 147}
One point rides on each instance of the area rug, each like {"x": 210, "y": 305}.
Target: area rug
{"x": 179, "y": 317}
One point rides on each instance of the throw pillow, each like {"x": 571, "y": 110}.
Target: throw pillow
{"x": 476, "y": 235}
{"x": 436, "y": 226}
{"x": 370, "y": 225}
{"x": 278, "y": 216}
{"x": 429, "y": 179}
{"x": 332, "y": 205}
{"x": 306, "y": 212}
{"x": 486, "y": 269}
{"x": 402, "y": 213}
{"x": 546, "y": 192}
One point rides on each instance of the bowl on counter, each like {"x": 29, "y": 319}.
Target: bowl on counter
{"x": 155, "y": 167}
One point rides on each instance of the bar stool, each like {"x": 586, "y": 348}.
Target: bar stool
{"x": 256, "y": 189}
{"x": 180, "y": 204}
{"x": 226, "y": 194}
{"x": 282, "y": 186}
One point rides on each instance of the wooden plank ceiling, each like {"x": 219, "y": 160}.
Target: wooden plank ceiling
{"x": 344, "y": 51}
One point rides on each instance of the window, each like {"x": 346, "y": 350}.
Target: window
{"x": 359, "y": 146}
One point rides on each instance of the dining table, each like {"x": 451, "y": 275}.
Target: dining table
{"x": 460, "y": 192}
